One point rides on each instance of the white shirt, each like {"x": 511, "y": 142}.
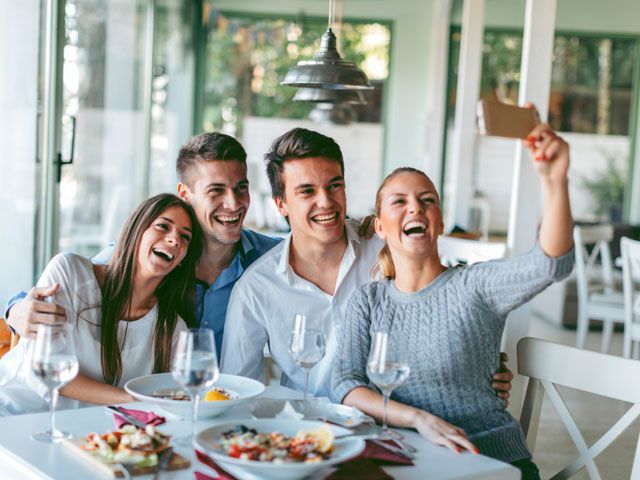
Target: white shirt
{"x": 79, "y": 290}
{"x": 266, "y": 299}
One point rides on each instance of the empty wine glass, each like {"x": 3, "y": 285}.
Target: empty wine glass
{"x": 307, "y": 348}
{"x": 387, "y": 369}
{"x": 54, "y": 364}
{"x": 195, "y": 367}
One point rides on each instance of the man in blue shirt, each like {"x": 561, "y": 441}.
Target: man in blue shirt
{"x": 212, "y": 173}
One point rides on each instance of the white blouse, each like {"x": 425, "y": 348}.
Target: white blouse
{"x": 79, "y": 294}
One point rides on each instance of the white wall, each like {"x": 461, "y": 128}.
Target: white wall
{"x": 19, "y": 33}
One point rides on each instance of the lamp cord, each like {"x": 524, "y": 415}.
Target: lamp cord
{"x": 331, "y": 15}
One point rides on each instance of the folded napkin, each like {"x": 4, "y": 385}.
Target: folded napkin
{"x": 203, "y": 476}
{"x": 373, "y": 451}
{"x": 148, "y": 418}
{"x": 369, "y": 464}
{"x": 222, "y": 474}
{"x": 366, "y": 465}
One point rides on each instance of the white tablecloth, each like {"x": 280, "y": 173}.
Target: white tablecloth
{"x": 24, "y": 458}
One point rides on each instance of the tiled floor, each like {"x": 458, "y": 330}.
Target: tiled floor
{"x": 593, "y": 414}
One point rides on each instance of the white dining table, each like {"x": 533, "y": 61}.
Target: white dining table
{"x": 24, "y": 458}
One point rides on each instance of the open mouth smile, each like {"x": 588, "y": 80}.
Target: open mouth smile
{"x": 228, "y": 220}
{"x": 326, "y": 219}
{"x": 415, "y": 229}
{"x": 163, "y": 254}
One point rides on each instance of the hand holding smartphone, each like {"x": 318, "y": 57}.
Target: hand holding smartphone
{"x": 499, "y": 119}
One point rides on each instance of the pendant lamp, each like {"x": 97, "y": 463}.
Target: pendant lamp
{"x": 320, "y": 95}
{"x": 334, "y": 113}
{"x": 327, "y": 69}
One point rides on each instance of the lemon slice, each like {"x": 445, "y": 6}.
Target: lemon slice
{"x": 215, "y": 396}
{"x": 323, "y": 436}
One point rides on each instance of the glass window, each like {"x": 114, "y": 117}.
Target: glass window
{"x": 590, "y": 101}
{"x": 248, "y": 56}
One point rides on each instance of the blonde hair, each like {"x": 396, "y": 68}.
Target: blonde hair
{"x": 385, "y": 262}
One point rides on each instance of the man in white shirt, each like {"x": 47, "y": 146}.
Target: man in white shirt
{"x": 313, "y": 272}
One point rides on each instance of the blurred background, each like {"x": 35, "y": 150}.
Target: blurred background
{"x": 127, "y": 82}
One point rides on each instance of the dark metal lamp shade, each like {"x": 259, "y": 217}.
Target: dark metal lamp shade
{"x": 327, "y": 70}
{"x": 334, "y": 113}
{"x": 321, "y": 95}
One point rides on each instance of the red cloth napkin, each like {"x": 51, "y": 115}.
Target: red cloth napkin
{"x": 148, "y": 418}
{"x": 203, "y": 476}
{"x": 373, "y": 451}
{"x": 367, "y": 465}
{"x": 222, "y": 474}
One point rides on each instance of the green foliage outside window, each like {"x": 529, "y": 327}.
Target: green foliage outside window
{"x": 591, "y": 78}
{"x": 247, "y": 58}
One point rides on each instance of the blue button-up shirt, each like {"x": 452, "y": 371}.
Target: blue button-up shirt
{"x": 212, "y": 300}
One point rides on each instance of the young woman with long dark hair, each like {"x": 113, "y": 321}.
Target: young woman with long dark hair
{"x": 124, "y": 315}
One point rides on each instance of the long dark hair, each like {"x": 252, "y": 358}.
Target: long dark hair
{"x": 175, "y": 295}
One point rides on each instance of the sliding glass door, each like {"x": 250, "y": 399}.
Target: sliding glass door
{"x": 122, "y": 105}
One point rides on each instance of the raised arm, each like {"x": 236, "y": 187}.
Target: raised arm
{"x": 551, "y": 159}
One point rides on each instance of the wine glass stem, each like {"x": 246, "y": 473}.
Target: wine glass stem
{"x": 53, "y": 400}
{"x": 194, "y": 414}
{"x": 306, "y": 383}
{"x": 385, "y": 399}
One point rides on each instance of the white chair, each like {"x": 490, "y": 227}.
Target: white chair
{"x": 630, "y": 279}
{"x": 455, "y": 250}
{"x": 597, "y": 297}
{"x": 549, "y": 364}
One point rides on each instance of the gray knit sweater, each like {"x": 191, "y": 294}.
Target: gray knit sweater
{"x": 451, "y": 332}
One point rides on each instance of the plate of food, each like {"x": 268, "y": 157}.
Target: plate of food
{"x": 312, "y": 409}
{"x": 277, "y": 449}
{"x": 140, "y": 449}
{"x": 162, "y": 390}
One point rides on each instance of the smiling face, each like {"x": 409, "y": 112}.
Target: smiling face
{"x": 314, "y": 200}
{"x": 164, "y": 243}
{"x": 409, "y": 217}
{"x": 218, "y": 191}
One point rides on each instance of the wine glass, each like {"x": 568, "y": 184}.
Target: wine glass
{"x": 387, "y": 369}
{"x": 195, "y": 367}
{"x": 307, "y": 348}
{"x": 54, "y": 364}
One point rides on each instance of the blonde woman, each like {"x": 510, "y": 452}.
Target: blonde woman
{"x": 450, "y": 321}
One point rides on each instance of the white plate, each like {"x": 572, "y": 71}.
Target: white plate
{"x": 142, "y": 388}
{"x": 344, "y": 449}
{"x": 312, "y": 409}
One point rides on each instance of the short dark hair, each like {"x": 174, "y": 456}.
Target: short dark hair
{"x": 208, "y": 147}
{"x": 298, "y": 143}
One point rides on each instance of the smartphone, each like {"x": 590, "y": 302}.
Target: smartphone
{"x": 499, "y": 119}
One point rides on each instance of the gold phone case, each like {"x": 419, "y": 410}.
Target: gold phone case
{"x": 503, "y": 120}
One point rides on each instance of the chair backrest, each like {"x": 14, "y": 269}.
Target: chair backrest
{"x": 548, "y": 364}
{"x": 5, "y": 338}
{"x": 454, "y": 250}
{"x": 630, "y": 273}
{"x": 598, "y": 237}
